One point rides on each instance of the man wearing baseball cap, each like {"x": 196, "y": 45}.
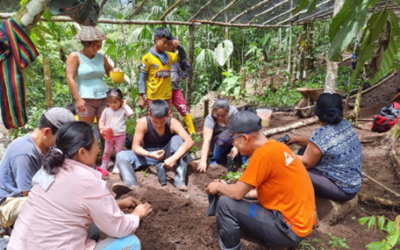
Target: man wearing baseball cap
{"x": 23, "y": 159}
{"x": 285, "y": 212}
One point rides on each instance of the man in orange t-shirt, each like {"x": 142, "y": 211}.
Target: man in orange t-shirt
{"x": 285, "y": 211}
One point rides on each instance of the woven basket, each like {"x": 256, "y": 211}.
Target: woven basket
{"x": 84, "y": 12}
{"x": 90, "y": 34}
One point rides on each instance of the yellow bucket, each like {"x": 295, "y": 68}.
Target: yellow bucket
{"x": 117, "y": 77}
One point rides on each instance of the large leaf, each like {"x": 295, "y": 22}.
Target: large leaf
{"x": 301, "y": 4}
{"x": 206, "y": 56}
{"x": 390, "y": 52}
{"x": 345, "y": 27}
{"x": 223, "y": 51}
{"x": 312, "y": 6}
{"x": 376, "y": 245}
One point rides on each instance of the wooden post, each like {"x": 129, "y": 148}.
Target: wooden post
{"x": 47, "y": 79}
{"x": 309, "y": 48}
{"x": 295, "y": 59}
{"x": 206, "y": 101}
{"x": 243, "y": 83}
{"x": 189, "y": 80}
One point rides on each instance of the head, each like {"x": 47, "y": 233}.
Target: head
{"x": 92, "y": 46}
{"x": 115, "y": 98}
{"x": 159, "y": 113}
{"x": 220, "y": 109}
{"x": 329, "y": 108}
{"x": 74, "y": 140}
{"x": 91, "y": 38}
{"x": 162, "y": 39}
{"x": 51, "y": 121}
{"x": 246, "y": 131}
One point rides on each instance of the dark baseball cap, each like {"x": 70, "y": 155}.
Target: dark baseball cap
{"x": 244, "y": 122}
{"x": 328, "y": 102}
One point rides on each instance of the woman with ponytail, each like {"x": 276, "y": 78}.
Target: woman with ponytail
{"x": 332, "y": 154}
{"x": 69, "y": 199}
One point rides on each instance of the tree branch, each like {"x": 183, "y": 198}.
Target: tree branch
{"x": 137, "y": 9}
{"x": 170, "y": 9}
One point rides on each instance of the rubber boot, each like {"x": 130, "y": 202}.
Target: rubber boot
{"x": 180, "y": 175}
{"x": 189, "y": 123}
{"x": 162, "y": 176}
{"x": 218, "y": 151}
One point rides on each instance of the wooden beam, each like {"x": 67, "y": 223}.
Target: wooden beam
{"x": 304, "y": 11}
{"x": 308, "y": 18}
{"x": 222, "y": 11}
{"x": 240, "y": 25}
{"x": 189, "y": 80}
{"x": 137, "y": 9}
{"x": 282, "y": 14}
{"x": 170, "y": 9}
{"x": 269, "y": 10}
{"x": 248, "y": 10}
{"x": 201, "y": 9}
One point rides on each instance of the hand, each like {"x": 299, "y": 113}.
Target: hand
{"x": 142, "y": 210}
{"x": 124, "y": 102}
{"x": 175, "y": 43}
{"x": 213, "y": 188}
{"x": 158, "y": 155}
{"x": 81, "y": 105}
{"x": 169, "y": 163}
{"x": 202, "y": 167}
{"x": 102, "y": 132}
{"x": 180, "y": 79}
{"x": 233, "y": 152}
{"x": 142, "y": 102}
{"x": 117, "y": 70}
{"x": 127, "y": 202}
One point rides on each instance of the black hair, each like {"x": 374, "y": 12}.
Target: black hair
{"x": 88, "y": 43}
{"x": 162, "y": 33}
{"x": 44, "y": 123}
{"x": 71, "y": 107}
{"x": 332, "y": 116}
{"x": 115, "y": 93}
{"x": 159, "y": 108}
{"x": 70, "y": 138}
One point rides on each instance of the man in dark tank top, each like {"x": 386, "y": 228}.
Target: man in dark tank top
{"x": 159, "y": 139}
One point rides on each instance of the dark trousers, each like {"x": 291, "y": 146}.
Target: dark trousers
{"x": 266, "y": 225}
{"x": 325, "y": 187}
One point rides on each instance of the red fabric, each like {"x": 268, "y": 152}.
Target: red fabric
{"x": 396, "y": 105}
{"x": 383, "y": 123}
{"x": 180, "y": 103}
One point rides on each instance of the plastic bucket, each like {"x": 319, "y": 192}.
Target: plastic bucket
{"x": 107, "y": 133}
{"x": 265, "y": 115}
{"x": 117, "y": 77}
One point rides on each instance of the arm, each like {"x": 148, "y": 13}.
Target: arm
{"x": 186, "y": 68}
{"x": 70, "y": 72}
{"x": 311, "y": 156}
{"x": 141, "y": 129}
{"x": 144, "y": 72}
{"x": 182, "y": 53}
{"x": 128, "y": 110}
{"x": 236, "y": 191}
{"x": 299, "y": 140}
{"x": 176, "y": 127}
{"x": 102, "y": 122}
{"x": 207, "y": 136}
{"x": 107, "y": 66}
{"x": 23, "y": 173}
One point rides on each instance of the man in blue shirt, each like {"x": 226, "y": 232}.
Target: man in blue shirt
{"x": 23, "y": 159}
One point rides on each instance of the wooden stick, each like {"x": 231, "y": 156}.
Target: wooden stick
{"x": 375, "y": 85}
{"x": 249, "y": 10}
{"x": 313, "y": 15}
{"x": 383, "y": 186}
{"x": 381, "y": 201}
{"x": 304, "y": 11}
{"x": 240, "y": 25}
{"x": 222, "y": 11}
{"x": 268, "y": 10}
{"x": 282, "y": 14}
{"x": 170, "y": 9}
{"x": 137, "y": 9}
{"x": 200, "y": 10}
{"x": 295, "y": 125}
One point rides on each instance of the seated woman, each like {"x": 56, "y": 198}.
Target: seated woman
{"x": 68, "y": 196}
{"x": 216, "y": 134}
{"x": 333, "y": 154}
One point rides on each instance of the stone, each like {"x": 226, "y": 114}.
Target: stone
{"x": 330, "y": 212}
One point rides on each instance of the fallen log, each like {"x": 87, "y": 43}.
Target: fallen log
{"x": 383, "y": 186}
{"x": 364, "y": 197}
{"x": 295, "y": 125}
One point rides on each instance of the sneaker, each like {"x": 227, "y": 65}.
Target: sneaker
{"x": 121, "y": 189}
{"x": 103, "y": 171}
{"x": 115, "y": 170}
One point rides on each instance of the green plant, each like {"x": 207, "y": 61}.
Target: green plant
{"x": 337, "y": 241}
{"x": 196, "y": 138}
{"x": 392, "y": 229}
{"x": 231, "y": 84}
{"x": 145, "y": 173}
{"x": 308, "y": 246}
{"x": 230, "y": 176}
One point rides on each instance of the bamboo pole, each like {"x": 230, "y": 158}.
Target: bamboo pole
{"x": 222, "y": 11}
{"x": 170, "y": 9}
{"x": 295, "y": 125}
{"x": 248, "y": 10}
{"x": 240, "y": 25}
{"x": 268, "y": 10}
{"x": 243, "y": 83}
{"x": 308, "y": 18}
{"x": 304, "y": 11}
{"x": 189, "y": 80}
{"x": 201, "y": 9}
{"x": 137, "y": 9}
{"x": 47, "y": 79}
{"x": 282, "y": 14}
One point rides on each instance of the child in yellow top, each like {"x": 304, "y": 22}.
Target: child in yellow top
{"x": 155, "y": 69}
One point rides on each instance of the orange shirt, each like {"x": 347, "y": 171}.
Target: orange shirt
{"x": 283, "y": 184}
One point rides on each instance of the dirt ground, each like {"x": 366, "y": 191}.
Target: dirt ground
{"x": 179, "y": 218}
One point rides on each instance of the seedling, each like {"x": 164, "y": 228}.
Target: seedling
{"x": 392, "y": 228}
{"x": 337, "y": 241}
{"x": 145, "y": 174}
{"x": 231, "y": 176}
{"x": 196, "y": 138}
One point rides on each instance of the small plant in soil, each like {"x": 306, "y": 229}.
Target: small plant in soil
{"x": 145, "y": 174}
{"x": 232, "y": 176}
{"x": 337, "y": 241}
{"x": 392, "y": 228}
{"x": 304, "y": 245}
{"x": 196, "y": 138}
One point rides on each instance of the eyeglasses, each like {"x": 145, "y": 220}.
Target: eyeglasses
{"x": 231, "y": 139}
{"x": 219, "y": 116}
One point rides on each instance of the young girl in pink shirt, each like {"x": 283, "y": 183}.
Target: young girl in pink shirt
{"x": 112, "y": 125}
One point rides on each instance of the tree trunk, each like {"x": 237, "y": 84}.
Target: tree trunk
{"x": 358, "y": 100}
{"x": 27, "y": 17}
{"x": 189, "y": 80}
{"x": 295, "y": 60}
{"x": 302, "y": 56}
{"x": 331, "y": 67}
{"x": 290, "y": 41}
{"x": 309, "y": 64}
